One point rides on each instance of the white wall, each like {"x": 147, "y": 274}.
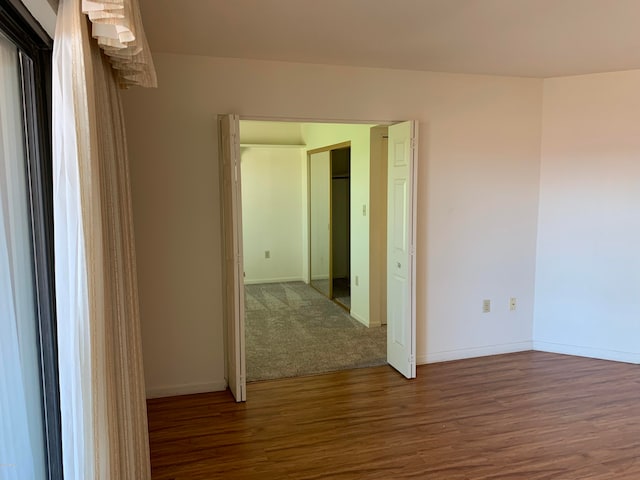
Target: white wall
{"x": 272, "y": 214}
{"x": 588, "y": 265}
{"x": 270, "y": 133}
{"x": 477, "y": 203}
{"x": 283, "y": 133}
{"x": 317, "y": 135}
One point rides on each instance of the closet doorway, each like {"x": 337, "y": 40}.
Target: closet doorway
{"x": 329, "y": 187}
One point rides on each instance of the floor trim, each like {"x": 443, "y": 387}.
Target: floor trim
{"x": 273, "y": 280}
{"x": 186, "y": 389}
{"x": 578, "y": 351}
{"x": 359, "y": 318}
{"x": 484, "y": 351}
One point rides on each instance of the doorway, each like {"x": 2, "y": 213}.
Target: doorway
{"x": 400, "y": 231}
{"x": 341, "y": 226}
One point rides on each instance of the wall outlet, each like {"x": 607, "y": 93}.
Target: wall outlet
{"x": 267, "y": 254}
{"x": 513, "y": 303}
{"x": 364, "y": 210}
{"x": 357, "y": 281}
{"x": 486, "y": 306}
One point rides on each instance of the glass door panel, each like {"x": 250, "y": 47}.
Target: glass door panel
{"x": 22, "y": 444}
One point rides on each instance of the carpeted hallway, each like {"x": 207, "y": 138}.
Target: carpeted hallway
{"x": 292, "y": 330}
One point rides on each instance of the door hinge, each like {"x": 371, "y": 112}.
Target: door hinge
{"x": 412, "y": 359}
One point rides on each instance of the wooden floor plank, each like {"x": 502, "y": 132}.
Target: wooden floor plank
{"x": 528, "y": 415}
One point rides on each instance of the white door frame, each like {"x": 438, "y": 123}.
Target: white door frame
{"x": 237, "y": 214}
{"x": 232, "y": 264}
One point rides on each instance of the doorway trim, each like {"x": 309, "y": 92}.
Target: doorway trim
{"x": 327, "y": 148}
{"x": 412, "y": 219}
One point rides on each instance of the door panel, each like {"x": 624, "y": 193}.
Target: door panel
{"x": 399, "y": 218}
{"x": 320, "y": 221}
{"x": 233, "y": 263}
{"x": 401, "y": 228}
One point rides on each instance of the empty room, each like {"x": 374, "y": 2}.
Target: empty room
{"x": 526, "y": 185}
{"x": 484, "y": 194}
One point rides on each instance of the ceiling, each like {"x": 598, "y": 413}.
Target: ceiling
{"x": 530, "y": 38}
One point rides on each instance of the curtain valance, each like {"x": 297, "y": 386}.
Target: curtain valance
{"x": 117, "y": 26}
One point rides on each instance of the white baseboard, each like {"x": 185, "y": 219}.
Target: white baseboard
{"x": 273, "y": 280}
{"x": 473, "y": 352}
{"x": 616, "y": 356}
{"x": 359, "y": 318}
{"x": 188, "y": 389}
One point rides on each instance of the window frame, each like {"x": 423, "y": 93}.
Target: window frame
{"x": 35, "y": 61}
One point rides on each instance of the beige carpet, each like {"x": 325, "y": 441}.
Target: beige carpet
{"x": 292, "y": 330}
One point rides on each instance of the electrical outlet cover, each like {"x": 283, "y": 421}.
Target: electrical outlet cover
{"x": 486, "y": 306}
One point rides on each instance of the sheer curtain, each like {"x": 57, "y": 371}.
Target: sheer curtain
{"x": 21, "y": 425}
{"x": 104, "y": 424}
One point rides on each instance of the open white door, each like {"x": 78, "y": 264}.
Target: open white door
{"x": 401, "y": 240}
{"x": 233, "y": 268}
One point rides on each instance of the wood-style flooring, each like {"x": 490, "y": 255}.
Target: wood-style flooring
{"x": 529, "y": 415}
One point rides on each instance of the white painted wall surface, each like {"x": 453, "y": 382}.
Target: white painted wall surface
{"x": 477, "y": 202}
{"x": 272, "y": 214}
{"x": 317, "y": 135}
{"x": 588, "y": 265}
{"x": 270, "y": 133}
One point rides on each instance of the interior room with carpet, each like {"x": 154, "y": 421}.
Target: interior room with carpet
{"x": 302, "y": 236}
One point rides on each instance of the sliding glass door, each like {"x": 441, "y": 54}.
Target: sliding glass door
{"x": 22, "y": 444}
{"x": 29, "y": 407}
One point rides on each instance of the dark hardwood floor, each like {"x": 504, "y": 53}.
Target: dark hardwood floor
{"x": 527, "y": 415}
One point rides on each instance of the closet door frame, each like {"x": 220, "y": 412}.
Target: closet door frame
{"x": 328, "y": 148}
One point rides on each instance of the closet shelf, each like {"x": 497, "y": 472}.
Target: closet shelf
{"x": 271, "y": 145}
